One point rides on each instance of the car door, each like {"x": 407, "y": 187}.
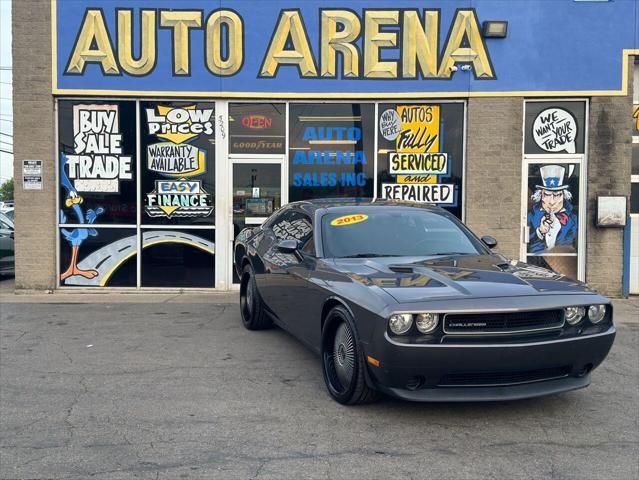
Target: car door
{"x": 270, "y": 258}
{"x": 292, "y": 294}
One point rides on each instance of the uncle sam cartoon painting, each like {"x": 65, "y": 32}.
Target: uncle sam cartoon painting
{"x": 552, "y": 221}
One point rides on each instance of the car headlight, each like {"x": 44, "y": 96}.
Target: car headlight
{"x": 574, "y": 315}
{"x": 427, "y": 322}
{"x": 400, "y": 323}
{"x": 596, "y": 313}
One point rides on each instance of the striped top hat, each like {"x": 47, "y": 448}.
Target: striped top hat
{"x": 552, "y": 177}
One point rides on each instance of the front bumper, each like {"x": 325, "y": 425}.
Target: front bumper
{"x": 486, "y": 371}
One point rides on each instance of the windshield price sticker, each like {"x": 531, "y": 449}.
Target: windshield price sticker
{"x": 349, "y": 220}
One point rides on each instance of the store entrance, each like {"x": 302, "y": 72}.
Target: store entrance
{"x": 258, "y": 190}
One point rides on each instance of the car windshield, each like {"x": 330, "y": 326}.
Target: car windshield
{"x": 394, "y": 231}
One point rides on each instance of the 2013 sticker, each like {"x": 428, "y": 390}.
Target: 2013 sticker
{"x": 349, "y": 220}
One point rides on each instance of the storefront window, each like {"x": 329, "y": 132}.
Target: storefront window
{"x": 178, "y": 163}
{"x": 420, "y": 153}
{"x": 98, "y": 257}
{"x": 257, "y": 128}
{"x": 182, "y": 258}
{"x": 331, "y": 150}
{"x": 97, "y": 164}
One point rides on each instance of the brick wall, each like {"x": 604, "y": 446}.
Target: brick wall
{"x": 33, "y": 130}
{"x": 493, "y": 170}
{"x": 609, "y": 164}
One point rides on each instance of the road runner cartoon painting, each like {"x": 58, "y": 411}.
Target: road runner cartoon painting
{"x": 76, "y": 236}
{"x": 552, "y": 221}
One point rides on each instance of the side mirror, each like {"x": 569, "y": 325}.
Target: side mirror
{"x": 489, "y": 241}
{"x": 289, "y": 246}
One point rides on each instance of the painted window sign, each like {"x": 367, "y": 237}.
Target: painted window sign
{"x": 271, "y": 47}
{"x": 420, "y": 153}
{"x": 555, "y": 127}
{"x": 177, "y": 180}
{"x": 553, "y": 216}
{"x": 98, "y": 163}
{"x": 97, "y": 168}
{"x": 417, "y": 161}
{"x": 107, "y": 257}
{"x": 257, "y": 128}
{"x": 635, "y": 119}
{"x": 331, "y": 150}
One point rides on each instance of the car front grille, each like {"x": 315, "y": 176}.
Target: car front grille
{"x": 504, "y": 322}
{"x": 487, "y": 379}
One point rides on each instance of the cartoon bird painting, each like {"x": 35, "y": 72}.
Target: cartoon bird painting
{"x": 78, "y": 235}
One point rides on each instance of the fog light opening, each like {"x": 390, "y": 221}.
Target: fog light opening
{"x": 415, "y": 382}
{"x": 585, "y": 370}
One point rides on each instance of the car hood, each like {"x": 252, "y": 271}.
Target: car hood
{"x": 413, "y": 279}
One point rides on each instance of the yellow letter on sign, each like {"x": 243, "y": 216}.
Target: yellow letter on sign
{"x": 234, "y": 27}
{"x": 290, "y": 25}
{"x": 339, "y": 41}
{"x": 181, "y": 22}
{"x": 375, "y": 40}
{"x": 93, "y": 31}
{"x": 146, "y": 62}
{"x": 419, "y": 43}
{"x": 466, "y": 25}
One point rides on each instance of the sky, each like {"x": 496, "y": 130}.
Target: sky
{"x": 6, "y": 112}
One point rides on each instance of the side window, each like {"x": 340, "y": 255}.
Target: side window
{"x": 293, "y": 225}
{"x": 276, "y": 217}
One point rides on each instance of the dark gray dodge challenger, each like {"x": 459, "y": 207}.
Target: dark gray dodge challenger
{"x": 405, "y": 300}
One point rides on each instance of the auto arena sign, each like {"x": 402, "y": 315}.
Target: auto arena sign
{"x": 321, "y": 47}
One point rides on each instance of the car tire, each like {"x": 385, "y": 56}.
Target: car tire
{"x": 342, "y": 360}
{"x": 254, "y": 316}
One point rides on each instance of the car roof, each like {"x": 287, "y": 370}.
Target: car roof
{"x": 338, "y": 203}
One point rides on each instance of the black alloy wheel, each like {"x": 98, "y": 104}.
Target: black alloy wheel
{"x": 342, "y": 360}
{"x": 254, "y": 316}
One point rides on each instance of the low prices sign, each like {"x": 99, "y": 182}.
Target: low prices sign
{"x": 416, "y": 161}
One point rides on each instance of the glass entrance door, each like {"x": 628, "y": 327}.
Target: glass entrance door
{"x": 258, "y": 191}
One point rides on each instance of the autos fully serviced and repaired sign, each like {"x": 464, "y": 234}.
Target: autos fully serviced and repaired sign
{"x": 324, "y": 49}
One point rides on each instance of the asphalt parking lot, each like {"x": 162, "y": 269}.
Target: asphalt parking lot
{"x": 177, "y": 389}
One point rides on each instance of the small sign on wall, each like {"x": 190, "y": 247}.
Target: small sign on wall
{"x": 611, "y": 211}
{"x": 32, "y": 174}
